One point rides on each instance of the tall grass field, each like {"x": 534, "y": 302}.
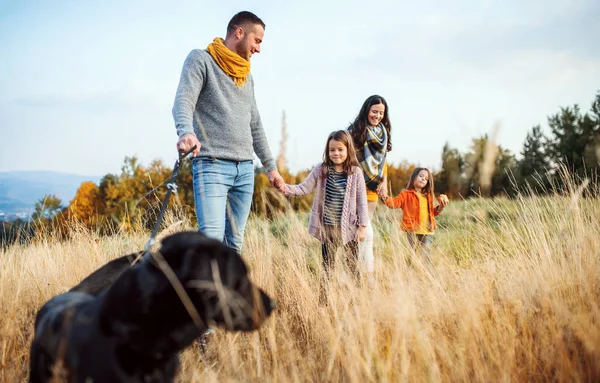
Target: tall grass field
{"x": 513, "y": 296}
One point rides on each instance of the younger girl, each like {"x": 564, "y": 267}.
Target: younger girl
{"x": 339, "y": 211}
{"x": 418, "y": 218}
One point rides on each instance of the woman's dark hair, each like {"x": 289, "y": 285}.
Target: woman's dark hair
{"x": 344, "y": 137}
{"x": 358, "y": 129}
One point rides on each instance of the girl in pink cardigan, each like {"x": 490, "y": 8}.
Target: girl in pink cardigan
{"x": 339, "y": 212}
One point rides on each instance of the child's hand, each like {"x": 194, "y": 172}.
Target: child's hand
{"x": 381, "y": 195}
{"x": 443, "y": 200}
{"x": 382, "y": 191}
{"x": 276, "y": 180}
{"x": 281, "y": 186}
{"x": 361, "y": 234}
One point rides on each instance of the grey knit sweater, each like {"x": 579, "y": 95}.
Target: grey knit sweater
{"x": 223, "y": 116}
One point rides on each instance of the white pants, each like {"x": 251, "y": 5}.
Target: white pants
{"x": 365, "y": 250}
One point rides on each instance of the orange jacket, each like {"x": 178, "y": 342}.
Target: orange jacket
{"x": 408, "y": 201}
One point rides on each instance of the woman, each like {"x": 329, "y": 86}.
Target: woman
{"x": 371, "y": 134}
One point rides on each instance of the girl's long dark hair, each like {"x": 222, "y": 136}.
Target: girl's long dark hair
{"x": 428, "y": 189}
{"x": 358, "y": 129}
{"x": 344, "y": 137}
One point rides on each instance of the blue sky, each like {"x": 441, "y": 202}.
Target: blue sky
{"x": 84, "y": 84}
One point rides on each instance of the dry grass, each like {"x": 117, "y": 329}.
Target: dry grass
{"x": 514, "y": 296}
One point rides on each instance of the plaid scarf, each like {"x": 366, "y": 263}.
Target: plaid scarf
{"x": 373, "y": 155}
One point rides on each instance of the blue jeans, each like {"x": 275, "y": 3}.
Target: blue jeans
{"x": 223, "y": 197}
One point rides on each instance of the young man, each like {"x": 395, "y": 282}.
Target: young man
{"x": 215, "y": 109}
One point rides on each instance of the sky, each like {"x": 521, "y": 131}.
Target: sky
{"x": 84, "y": 84}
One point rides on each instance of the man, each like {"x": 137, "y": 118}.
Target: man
{"x": 215, "y": 109}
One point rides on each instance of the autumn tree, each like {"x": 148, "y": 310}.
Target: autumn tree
{"x": 47, "y": 207}
{"x": 398, "y": 176}
{"x": 130, "y": 198}
{"x": 266, "y": 200}
{"x": 303, "y": 203}
{"x": 185, "y": 183}
{"x": 85, "y": 206}
{"x": 260, "y": 201}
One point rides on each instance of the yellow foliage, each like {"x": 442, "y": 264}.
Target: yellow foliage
{"x": 84, "y": 207}
{"x": 398, "y": 176}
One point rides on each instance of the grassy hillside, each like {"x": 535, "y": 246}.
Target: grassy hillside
{"x": 514, "y": 296}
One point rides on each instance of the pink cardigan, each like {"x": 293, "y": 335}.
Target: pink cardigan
{"x": 354, "y": 210}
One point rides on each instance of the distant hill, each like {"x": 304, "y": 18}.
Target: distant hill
{"x": 20, "y": 190}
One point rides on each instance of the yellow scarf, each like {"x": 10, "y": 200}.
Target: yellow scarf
{"x": 233, "y": 64}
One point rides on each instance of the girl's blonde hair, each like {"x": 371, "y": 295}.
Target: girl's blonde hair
{"x": 344, "y": 137}
{"x": 411, "y": 182}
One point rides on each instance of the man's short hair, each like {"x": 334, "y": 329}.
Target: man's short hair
{"x": 242, "y": 19}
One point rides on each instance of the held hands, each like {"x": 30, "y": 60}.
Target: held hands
{"x": 276, "y": 180}
{"x": 443, "y": 200}
{"x": 361, "y": 234}
{"x": 187, "y": 141}
{"x": 382, "y": 191}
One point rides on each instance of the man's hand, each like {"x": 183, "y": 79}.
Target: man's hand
{"x": 187, "y": 141}
{"x": 276, "y": 180}
{"x": 361, "y": 234}
{"x": 443, "y": 200}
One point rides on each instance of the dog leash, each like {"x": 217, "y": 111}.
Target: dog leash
{"x": 171, "y": 188}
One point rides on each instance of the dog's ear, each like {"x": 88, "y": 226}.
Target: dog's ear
{"x": 179, "y": 242}
{"x": 190, "y": 255}
{"x": 189, "y": 252}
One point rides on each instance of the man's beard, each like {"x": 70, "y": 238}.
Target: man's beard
{"x": 241, "y": 50}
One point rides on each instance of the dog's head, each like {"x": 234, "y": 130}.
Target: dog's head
{"x": 216, "y": 280}
{"x": 191, "y": 283}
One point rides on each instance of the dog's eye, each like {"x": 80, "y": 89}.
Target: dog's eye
{"x": 240, "y": 284}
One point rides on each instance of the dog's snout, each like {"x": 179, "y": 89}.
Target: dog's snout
{"x": 268, "y": 303}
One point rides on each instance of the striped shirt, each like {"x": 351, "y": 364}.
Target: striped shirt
{"x": 335, "y": 189}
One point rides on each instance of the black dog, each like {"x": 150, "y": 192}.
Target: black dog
{"x": 104, "y": 277}
{"x": 133, "y": 329}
